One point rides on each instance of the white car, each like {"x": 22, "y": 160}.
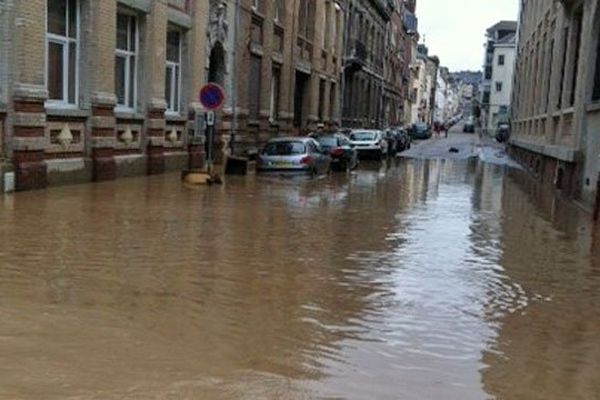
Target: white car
{"x": 369, "y": 143}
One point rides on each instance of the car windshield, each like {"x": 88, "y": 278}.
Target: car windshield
{"x": 362, "y": 136}
{"x": 328, "y": 141}
{"x": 284, "y": 148}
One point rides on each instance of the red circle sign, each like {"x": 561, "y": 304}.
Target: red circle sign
{"x": 212, "y": 96}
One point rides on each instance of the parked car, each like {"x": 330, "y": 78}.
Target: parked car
{"x": 369, "y": 143}
{"x": 344, "y": 155}
{"x": 420, "y": 131}
{"x": 469, "y": 127}
{"x": 392, "y": 140}
{"x": 404, "y": 139}
{"x": 503, "y": 132}
{"x": 292, "y": 155}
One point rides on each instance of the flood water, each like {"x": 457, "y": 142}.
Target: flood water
{"x": 446, "y": 280}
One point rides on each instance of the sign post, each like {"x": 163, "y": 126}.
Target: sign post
{"x": 212, "y": 97}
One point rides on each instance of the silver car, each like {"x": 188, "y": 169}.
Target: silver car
{"x": 292, "y": 155}
{"x": 369, "y": 143}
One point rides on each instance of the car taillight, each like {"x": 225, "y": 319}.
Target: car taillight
{"x": 337, "y": 152}
{"x": 306, "y": 160}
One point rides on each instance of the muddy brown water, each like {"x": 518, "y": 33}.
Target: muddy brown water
{"x": 421, "y": 280}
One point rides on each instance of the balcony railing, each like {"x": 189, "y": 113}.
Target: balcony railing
{"x": 305, "y": 48}
{"x": 356, "y": 55}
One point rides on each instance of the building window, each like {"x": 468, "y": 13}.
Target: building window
{"x": 256, "y": 30}
{"x": 275, "y": 88}
{"x": 498, "y": 86}
{"x": 326, "y": 26}
{"x": 173, "y": 72}
{"x": 577, "y": 44}
{"x": 335, "y": 28}
{"x": 254, "y": 87}
{"x": 62, "y": 50}
{"x": 563, "y": 66}
{"x": 277, "y": 11}
{"x": 306, "y": 19}
{"x": 126, "y": 61}
{"x": 501, "y": 59}
{"x": 596, "y": 92}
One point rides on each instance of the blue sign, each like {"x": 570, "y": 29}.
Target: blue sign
{"x": 212, "y": 96}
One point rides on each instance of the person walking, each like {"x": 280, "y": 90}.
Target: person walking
{"x": 446, "y": 129}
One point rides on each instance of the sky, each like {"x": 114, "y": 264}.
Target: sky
{"x": 454, "y": 30}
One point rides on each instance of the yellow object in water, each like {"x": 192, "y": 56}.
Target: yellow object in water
{"x": 196, "y": 178}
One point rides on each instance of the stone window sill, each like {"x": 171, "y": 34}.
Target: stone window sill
{"x": 174, "y": 117}
{"x": 120, "y": 114}
{"x": 66, "y": 112}
{"x": 593, "y": 107}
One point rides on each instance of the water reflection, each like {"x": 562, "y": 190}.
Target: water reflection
{"x": 411, "y": 280}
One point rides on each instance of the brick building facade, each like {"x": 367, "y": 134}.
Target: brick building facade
{"x": 556, "y": 95}
{"x": 287, "y": 70}
{"x": 94, "y": 90}
{"x": 364, "y": 55}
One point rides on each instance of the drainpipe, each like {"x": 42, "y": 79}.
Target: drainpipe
{"x": 597, "y": 207}
{"x": 234, "y": 125}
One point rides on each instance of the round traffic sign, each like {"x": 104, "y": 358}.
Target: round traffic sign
{"x": 212, "y": 96}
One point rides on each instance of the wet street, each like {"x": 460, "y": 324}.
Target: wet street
{"x": 418, "y": 279}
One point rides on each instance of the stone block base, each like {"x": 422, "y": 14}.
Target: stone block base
{"x": 30, "y": 170}
{"x": 104, "y": 165}
{"x": 196, "y": 157}
{"x": 156, "y": 160}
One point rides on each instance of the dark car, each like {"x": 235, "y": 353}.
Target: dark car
{"x": 404, "y": 139}
{"x": 393, "y": 142}
{"x": 503, "y": 132}
{"x": 469, "y": 127}
{"x": 343, "y": 155}
{"x": 420, "y": 131}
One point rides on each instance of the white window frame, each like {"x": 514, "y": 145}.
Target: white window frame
{"x": 277, "y": 11}
{"x": 175, "y": 72}
{"x": 128, "y": 54}
{"x": 65, "y": 42}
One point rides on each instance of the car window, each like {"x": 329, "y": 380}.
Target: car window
{"x": 328, "y": 141}
{"x": 363, "y": 136}
{"x": 284, "y": 148}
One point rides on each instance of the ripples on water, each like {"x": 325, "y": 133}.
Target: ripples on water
{"x": 423, "y": 280}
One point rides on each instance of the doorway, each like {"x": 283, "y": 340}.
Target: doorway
{"x": 300, "y": 99}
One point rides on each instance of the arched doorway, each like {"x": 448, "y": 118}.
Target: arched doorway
{"x": 216, "y": 69}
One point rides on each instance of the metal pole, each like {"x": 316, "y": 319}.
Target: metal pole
{"x": 597, "y": 207}
{"x": 210, "y": 135}
{"x": 234, "y": 125}
{"x": 345, "y": 39}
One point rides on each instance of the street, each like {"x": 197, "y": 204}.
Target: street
{"x": 424, "y": 278}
